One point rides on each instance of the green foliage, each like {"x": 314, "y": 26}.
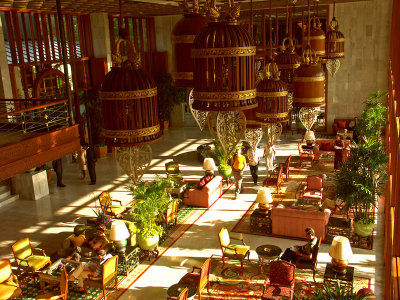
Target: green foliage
{"x": 168, "y": 95}
{"x": 328, "y": 292}
{"x": 152, "y": 199}
{"x": 220, "y": 155}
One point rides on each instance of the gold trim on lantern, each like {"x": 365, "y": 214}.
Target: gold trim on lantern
{"x": 272, "y": 116}
{"x": 272, "y": 94}
{"x": 316, "y": 37}
{"x": 309, "y": 79}
{"x": 224, "y": 96}
{"x": 308, "y": 100}
{"x": 223, "y": 52}
{"x": 182, "y": 75}
{"x": 252, "y": 122}
{"x": 128, "y": 95}
{"x": 335, "y": 54}
{"x": 287, "y": 66}
{"x": 322, "y": 52}
{"x": 335, "y": 40}
{"x": 183, "y": 39}
{"x": 134, "y": 133}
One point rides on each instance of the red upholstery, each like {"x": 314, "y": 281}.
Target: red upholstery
{"x": 275, "y": 292}
{"x": 327, "y": 146}
{"x": 207, "y": 195}
{"x": 314, "y": 187}
{"x": 281, "y": 281}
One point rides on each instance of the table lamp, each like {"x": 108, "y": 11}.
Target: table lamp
{"x": 309, "y": 137}
{"x": 340, "y": 252}
{"x": 264, "y": 199}
{"x": 209, "y": 166}
{"x": 119, "y": 235}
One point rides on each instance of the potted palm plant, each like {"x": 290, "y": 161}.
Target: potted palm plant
{"x": 224, "y": 167}
{"x": 152, "y": 199}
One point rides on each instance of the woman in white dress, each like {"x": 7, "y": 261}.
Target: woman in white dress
{"x": 269, "y": 157}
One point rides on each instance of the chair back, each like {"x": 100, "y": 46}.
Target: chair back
{"x": 110, "y": 268}
{"x": 300, "y": 148}
{"x": 64, "y": 284}
{"x": 184, "y": 294}
{"x": 172, "y": 168}
{"x": 204, "y": 274}
{"x": 171, "y": 210}
{"x": 105, "y": 201}
{"x": 22, "y": 249}
{"x": 315, "y": 182}
{"x": 5, "y": 270}
{"x": 315, "y": 251}
{"x": 281, "y": 272}
{"x": 279, "y": 176}
{"x": 224, "y": 238}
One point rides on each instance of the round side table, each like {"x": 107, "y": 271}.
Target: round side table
{"x": 175, "y": 289}
{"x": 267, "y": 253}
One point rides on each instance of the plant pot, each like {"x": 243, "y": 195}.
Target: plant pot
{"x": 225, "y": 171}
{"x": 148, "y": 243}
{"x": 100, "y": 151}
{"x": 363, "y": 230}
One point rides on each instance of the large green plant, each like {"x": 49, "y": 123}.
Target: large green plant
{"x": 152, "y": 199}
{"x": 328, "y": 292}
{"x": 223, "y": 159}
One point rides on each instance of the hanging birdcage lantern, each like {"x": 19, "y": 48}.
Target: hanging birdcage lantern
{"x": 183, "y": 35}
{"x": 334, "y": 45}
{"x": 288, "y": 61}
{"x": 129, "y": 102}
{"x": 272, "y": 97}
{"x": 224, "y": 73}
{"x": 315, "y": 37}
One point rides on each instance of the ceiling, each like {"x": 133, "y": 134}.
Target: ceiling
{"x": 141, "y": 8}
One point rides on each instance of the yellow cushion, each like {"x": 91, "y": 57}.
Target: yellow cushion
{"x": 9, "y": 290}
{"x": 78, "y": 240}
{"x": 117, "y": 210}
{"x": 5, "y": 271}
{"x": 241, "y": 250}
{"x": 36, "y": 262}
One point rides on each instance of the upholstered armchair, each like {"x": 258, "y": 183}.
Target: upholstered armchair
{"x": 182, "y": 296}
{"x": 281, "y": 281}
{"x": 310, "y": 263}
{"x": 110, "y": 268}
{"x": 305, "y": 155}
{"x": 233, "y": 251}
{"x": 199, "y": 277}
{"x": 62, "y": 293}
{"x": 26, "y": 259}
{"x": 286, "y": 167}
{"x": 314, "y": 187}
{"x": 275, "y": 179}
{"x": 9, "y": 287}
{"x": 107, "y": 206}
{"x": 173, "y": 172}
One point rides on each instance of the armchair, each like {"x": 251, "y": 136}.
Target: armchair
{"x": 106, "y": 204}
{"x": 281, "y": 281}
{"x": 310, "y": 263}
{"x": 200, "y": 278}
{"x": 305, "y": 155}
{"x": 233, "y": 251}
{"x": 58, "y": 294}
{"x": 110, "y": 268}
{"x": 275, "y": 179}
{"x": 9, "y": 287}
{"x": 173, "y": 172}
{"x": 26, "y": 259}
{"x": 286, "y": 167}
{"x": 182, "y": 296}
{"x": 171, "y": 212}
{"x": 314, "y": 187}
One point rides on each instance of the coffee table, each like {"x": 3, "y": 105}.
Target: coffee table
{"x": 175, "y": 289}
{"x": 268, "y": 253}
{"x": 50, "y": 274}
{"x": 306, "y": 204}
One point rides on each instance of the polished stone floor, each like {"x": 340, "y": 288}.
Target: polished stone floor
{"x": 48, "y": 220}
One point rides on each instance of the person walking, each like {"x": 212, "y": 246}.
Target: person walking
{"x": 58, "y": 168}
{"x": 91, "y": 161}
{"x": 254, "y": 156}
{"x": 81, "y": 159}
{"x": 238, "y": 164}
{"x": 269, "y": 157}
{"x": 339, "y": 145}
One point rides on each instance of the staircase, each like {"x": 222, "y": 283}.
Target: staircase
{"x": 5, "y": 196}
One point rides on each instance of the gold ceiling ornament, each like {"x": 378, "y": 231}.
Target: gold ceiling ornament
{"x": 211, "y": 10}
{"x": 133, "y": 60}
{"x": 231, "y": 126}
{"x": 272, "y": 132}
{"x": 308, "y": 116}
{"x": 253, "y": 136}
{"x": 199, "y": 116}
{"x": 290, "y": 101}
{"x": 332, "y": 65}
{"x": 134, "y": 161}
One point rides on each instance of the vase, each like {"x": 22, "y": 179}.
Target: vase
{"x": 363, "y": 230}
{"x": 149, "y": 243}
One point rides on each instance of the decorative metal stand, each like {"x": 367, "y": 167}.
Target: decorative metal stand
{"x": 272, "y": 131}
{"x": 199, "y": 116}
{"x": 253, "y": 136}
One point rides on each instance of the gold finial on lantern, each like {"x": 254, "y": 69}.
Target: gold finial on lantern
{"x": 133, "y": 59}
{"x": 184, "y": 7}
{"x": 212, "y": 11}
{"x": 233, "y": 11}
{"x": 196, "y": 7}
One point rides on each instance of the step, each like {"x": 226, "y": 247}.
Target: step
{"x": 4, "y": 194}
{"x": 9, "y": 200}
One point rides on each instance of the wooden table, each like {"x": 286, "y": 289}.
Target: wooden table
{"x": 260, "y": 221}
{"x": 175, "y": 289}
{"x": 50, "y": 276}
{"x": 268, "y": 253}
{"x": 178, "y": 191}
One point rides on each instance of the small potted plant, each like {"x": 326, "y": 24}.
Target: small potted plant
{"x": 223, "y": 161}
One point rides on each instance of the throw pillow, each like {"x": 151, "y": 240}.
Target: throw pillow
{"x": 201, "y": 184}
{"x": 342, "y": 124}
{"x": 78, "y": 241}
{"x": 325, "y": 146}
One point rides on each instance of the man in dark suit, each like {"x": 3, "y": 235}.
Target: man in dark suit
{"x": 91, "y": 162}
{"x": 58, "y": 168}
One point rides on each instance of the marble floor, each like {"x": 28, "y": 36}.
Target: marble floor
{"x": 50, "y": 219}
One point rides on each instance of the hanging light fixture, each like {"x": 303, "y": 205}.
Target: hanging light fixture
{"x": 314, "y": 36}
{"x": 334, "y": 45}
{"x": 129, "y": 107}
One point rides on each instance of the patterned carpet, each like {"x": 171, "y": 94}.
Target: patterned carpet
{"x": 230, "y": 282}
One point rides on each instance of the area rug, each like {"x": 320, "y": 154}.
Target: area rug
{"x": 230, "y": 282}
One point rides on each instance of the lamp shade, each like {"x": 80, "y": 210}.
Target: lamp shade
{"x": 309, "y": 135}
{"x": 264, "y": 196}
{"x": 118, "y": 231}
{"x": 209, "y": 164}
{"x": 340, "y": 248}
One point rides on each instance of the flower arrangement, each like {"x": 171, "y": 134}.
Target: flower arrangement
{"x": 102, "y": 218}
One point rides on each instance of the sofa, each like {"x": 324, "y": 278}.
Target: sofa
{"x": 206, "y": 196}
{"x": 341, "y": 124}
{"x": 326, "y": 146}
{"x": 293, "y": 222}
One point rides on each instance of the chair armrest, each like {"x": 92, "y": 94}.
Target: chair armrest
{"x": 196, "y": 268}
{"x": 40, "y": 250}
{"x": 230, "y": 249}
{"x": 306, "y": 257}
{"x": 119, "y": 201}
{"x": 238, "y": 239}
